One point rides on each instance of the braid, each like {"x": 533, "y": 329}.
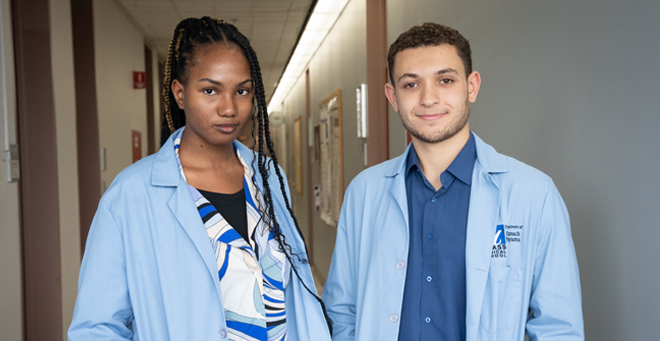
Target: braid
{"x": 190, "y": 34}
{"x": 263, "y": 163}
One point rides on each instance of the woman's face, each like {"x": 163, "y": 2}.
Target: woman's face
{"x": 217, "y": 95}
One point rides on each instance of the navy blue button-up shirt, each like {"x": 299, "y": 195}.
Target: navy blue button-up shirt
{"x": 434, "y": 298}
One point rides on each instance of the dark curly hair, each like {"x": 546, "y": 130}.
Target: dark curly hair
{"x": 190, "y": 36}
{"x": 430, "y": 34}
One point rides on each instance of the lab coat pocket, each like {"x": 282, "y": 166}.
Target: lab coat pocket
{"x": 502, "y": 305}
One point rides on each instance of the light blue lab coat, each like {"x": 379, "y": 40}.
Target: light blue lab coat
{"x": 536, "y": 286}
{"x": 149, "y": 271}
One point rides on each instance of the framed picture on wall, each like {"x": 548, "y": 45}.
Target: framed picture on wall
{"x": 331, "y": 155}
{"x": 317, "y": 143}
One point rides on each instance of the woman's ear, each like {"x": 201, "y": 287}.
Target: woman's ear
{"x": 179, "y": 93}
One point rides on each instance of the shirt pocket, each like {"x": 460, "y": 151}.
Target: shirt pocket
{"x": 502, "y": 305}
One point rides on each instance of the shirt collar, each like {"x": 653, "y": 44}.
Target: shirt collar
{"x": 461, "y": 167}
{"x": 463, "y": 164}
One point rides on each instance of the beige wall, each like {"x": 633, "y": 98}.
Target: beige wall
{"x": 10, "y": 252}
{"x": 339, "y": 63}
{"x": 119, "y": 50}
{"x": 67, "y": 161}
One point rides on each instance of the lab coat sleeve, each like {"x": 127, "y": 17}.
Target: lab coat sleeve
{"x": 556, "y": 301}
{"x": 340, "y": 290}
{"x": 103, "y": 309}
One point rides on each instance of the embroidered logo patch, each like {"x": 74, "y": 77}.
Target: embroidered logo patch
{"x": 505, "y": 234}
{"x": 499, "y": 244}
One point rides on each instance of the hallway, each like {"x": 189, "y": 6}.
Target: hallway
{"x": 570, "y": 89}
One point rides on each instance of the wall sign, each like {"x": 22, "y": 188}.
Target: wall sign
{"x": 139, "y": 79}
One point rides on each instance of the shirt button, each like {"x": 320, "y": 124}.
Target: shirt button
{"x": 427, "y": 320}
{"x": 429, "y": 236}
{"x": 394, "y": 317}
{"x": 432, "y": 199}
{"x": 428, "y": 279}
{"x": 222, "y": 333}
{"x": 400, "y": 265}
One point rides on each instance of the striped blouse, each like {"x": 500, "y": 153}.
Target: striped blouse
{"x": 252, "y": 275}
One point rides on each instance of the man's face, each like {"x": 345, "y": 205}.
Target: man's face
{"x": 431, "y": 92}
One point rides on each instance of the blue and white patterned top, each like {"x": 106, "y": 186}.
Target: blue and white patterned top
{"x": 252, "y": 275}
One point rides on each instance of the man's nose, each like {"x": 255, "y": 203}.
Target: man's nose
{"x": 429, "y": 98}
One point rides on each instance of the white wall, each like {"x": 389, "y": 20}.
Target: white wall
{"x": 339, "y": 63}
{"x": 119, "y": 50}
{"x": 571, "y": 88}
{"x": 10, "y": 252}
{"x": 67, "y": 157}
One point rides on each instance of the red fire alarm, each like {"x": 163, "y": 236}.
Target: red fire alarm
{"x": 139, "y": 79}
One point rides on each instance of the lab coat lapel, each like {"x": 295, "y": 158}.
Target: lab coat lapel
{"x": 397, "y": 171}
{"x": 165, "y": 173}
{"x": 482, "y": 222}
{"x": 185, "y": 211}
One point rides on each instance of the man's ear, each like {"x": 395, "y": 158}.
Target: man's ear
{"x": 391, "y": 96}
{"x": 179, "y": 93}
{"x": 474, "y": 83}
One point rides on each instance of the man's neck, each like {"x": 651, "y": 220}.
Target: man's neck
{"x": 435, "y": 158}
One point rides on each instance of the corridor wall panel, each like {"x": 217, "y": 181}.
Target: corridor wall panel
{"x": 571, "y": 88}
{"x": 67, "y": 158}
{"x": 40, "y": 223}
{"x": 11, "y": 321}
{"x": 119, "y": 50}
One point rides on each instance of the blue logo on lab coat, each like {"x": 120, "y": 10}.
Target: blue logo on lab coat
{"x": 499, "y": 244}
{"x": 499, "y": 235}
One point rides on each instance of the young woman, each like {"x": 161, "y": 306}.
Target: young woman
{"x": 199, "y": 242}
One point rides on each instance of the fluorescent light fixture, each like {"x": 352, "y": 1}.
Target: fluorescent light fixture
{"x": 323, "y": 18}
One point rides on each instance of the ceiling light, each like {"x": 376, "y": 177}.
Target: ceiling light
{"x": 324, "y": 16}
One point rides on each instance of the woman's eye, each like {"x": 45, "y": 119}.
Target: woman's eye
{"x": 209, "y": 91}
{"x": 242, "y": 92}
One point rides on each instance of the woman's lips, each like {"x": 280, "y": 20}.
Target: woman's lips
{"x": 226, "y": 128}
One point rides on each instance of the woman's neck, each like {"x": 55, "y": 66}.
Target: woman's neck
{"x": 209, "y": 167}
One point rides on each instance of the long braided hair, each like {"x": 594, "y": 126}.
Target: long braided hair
{"x": 191, "y": 34}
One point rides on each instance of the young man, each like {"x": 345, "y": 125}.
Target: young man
{"x": 451, "y": 240}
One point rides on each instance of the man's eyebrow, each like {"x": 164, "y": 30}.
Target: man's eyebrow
{"x": 447, "y": 70}
{"x": 410, "y": 75}
{"x": 440, "y": 72}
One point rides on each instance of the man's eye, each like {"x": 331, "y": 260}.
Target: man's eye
{"x": 209, "y": 91}
{"x": 446, "y": 81}
{"x": 410, "y": 85}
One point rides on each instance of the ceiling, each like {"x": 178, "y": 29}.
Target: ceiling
{"x": 271, "y": 25}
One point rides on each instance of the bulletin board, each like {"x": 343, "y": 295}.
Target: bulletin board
{"x": 331, "y": 157}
